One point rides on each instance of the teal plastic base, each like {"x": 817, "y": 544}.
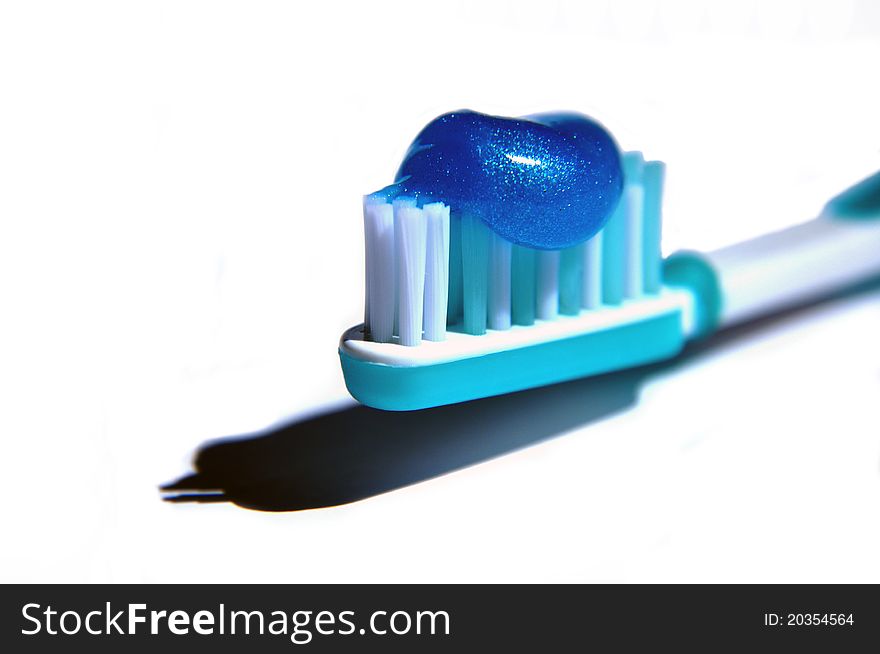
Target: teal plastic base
{"x": 406, "y": 388}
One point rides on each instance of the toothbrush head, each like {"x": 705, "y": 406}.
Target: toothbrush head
{"x": 510, "y": 253}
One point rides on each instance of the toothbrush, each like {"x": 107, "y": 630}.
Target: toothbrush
{"x": 515, "y": 253}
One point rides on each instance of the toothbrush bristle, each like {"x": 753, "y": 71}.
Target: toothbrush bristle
{"x": 499, "y": 283}
{"x": 652, "y": 198}
{"x": 571, "y": 274}
{"x": 380, "y": 255}
{"x": 411, "y": 239}
{"x": 428, "y": 270}
{"x": 548, "y": 285}
{"x": 591, "y": 286}
{"x": 523, "y": 282}
{"x": 455, "y": 301}
{"x": 436, "y": 271}
{"x": 475, "y": 239}
{"x": 633, "y": 201}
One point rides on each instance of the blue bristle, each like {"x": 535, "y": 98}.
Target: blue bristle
{"x": 571, "y": 274}
{"x": 522, "y": 276}
{"x": 456, "y": 292}
{"x": 653, "y": 180}
{"x": 614, "y": 256}
{"x": 475, "y": 273}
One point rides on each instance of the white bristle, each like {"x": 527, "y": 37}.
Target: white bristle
{"x": 368, "y": 260}
{"x": 436, "y": 271}
{"x": 410, "y": 235}
{"x": 548, "y": 285}
{"x": 634, "y": 281}
{"x": 499, "y": 283}
{"x": 591, "y": 288}
{"x": 381, "y": 283}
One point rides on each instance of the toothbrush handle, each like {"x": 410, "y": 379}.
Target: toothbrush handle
{"x": 786, "y": 268}
{"x": 818, "y": 258}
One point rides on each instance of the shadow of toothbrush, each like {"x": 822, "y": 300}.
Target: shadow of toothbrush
{"x": 350, "y": 454}
{"x": 353, "y": 453}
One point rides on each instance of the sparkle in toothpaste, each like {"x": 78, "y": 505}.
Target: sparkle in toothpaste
{"x": 515, "y": 158}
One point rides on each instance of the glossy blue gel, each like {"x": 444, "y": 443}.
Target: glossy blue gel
{"x": 548, "y": 181}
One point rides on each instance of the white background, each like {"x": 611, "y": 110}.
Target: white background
{"x": 181, "y": 247}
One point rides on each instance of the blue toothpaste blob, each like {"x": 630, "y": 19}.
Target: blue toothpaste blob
{"x": 548, "y": 181}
